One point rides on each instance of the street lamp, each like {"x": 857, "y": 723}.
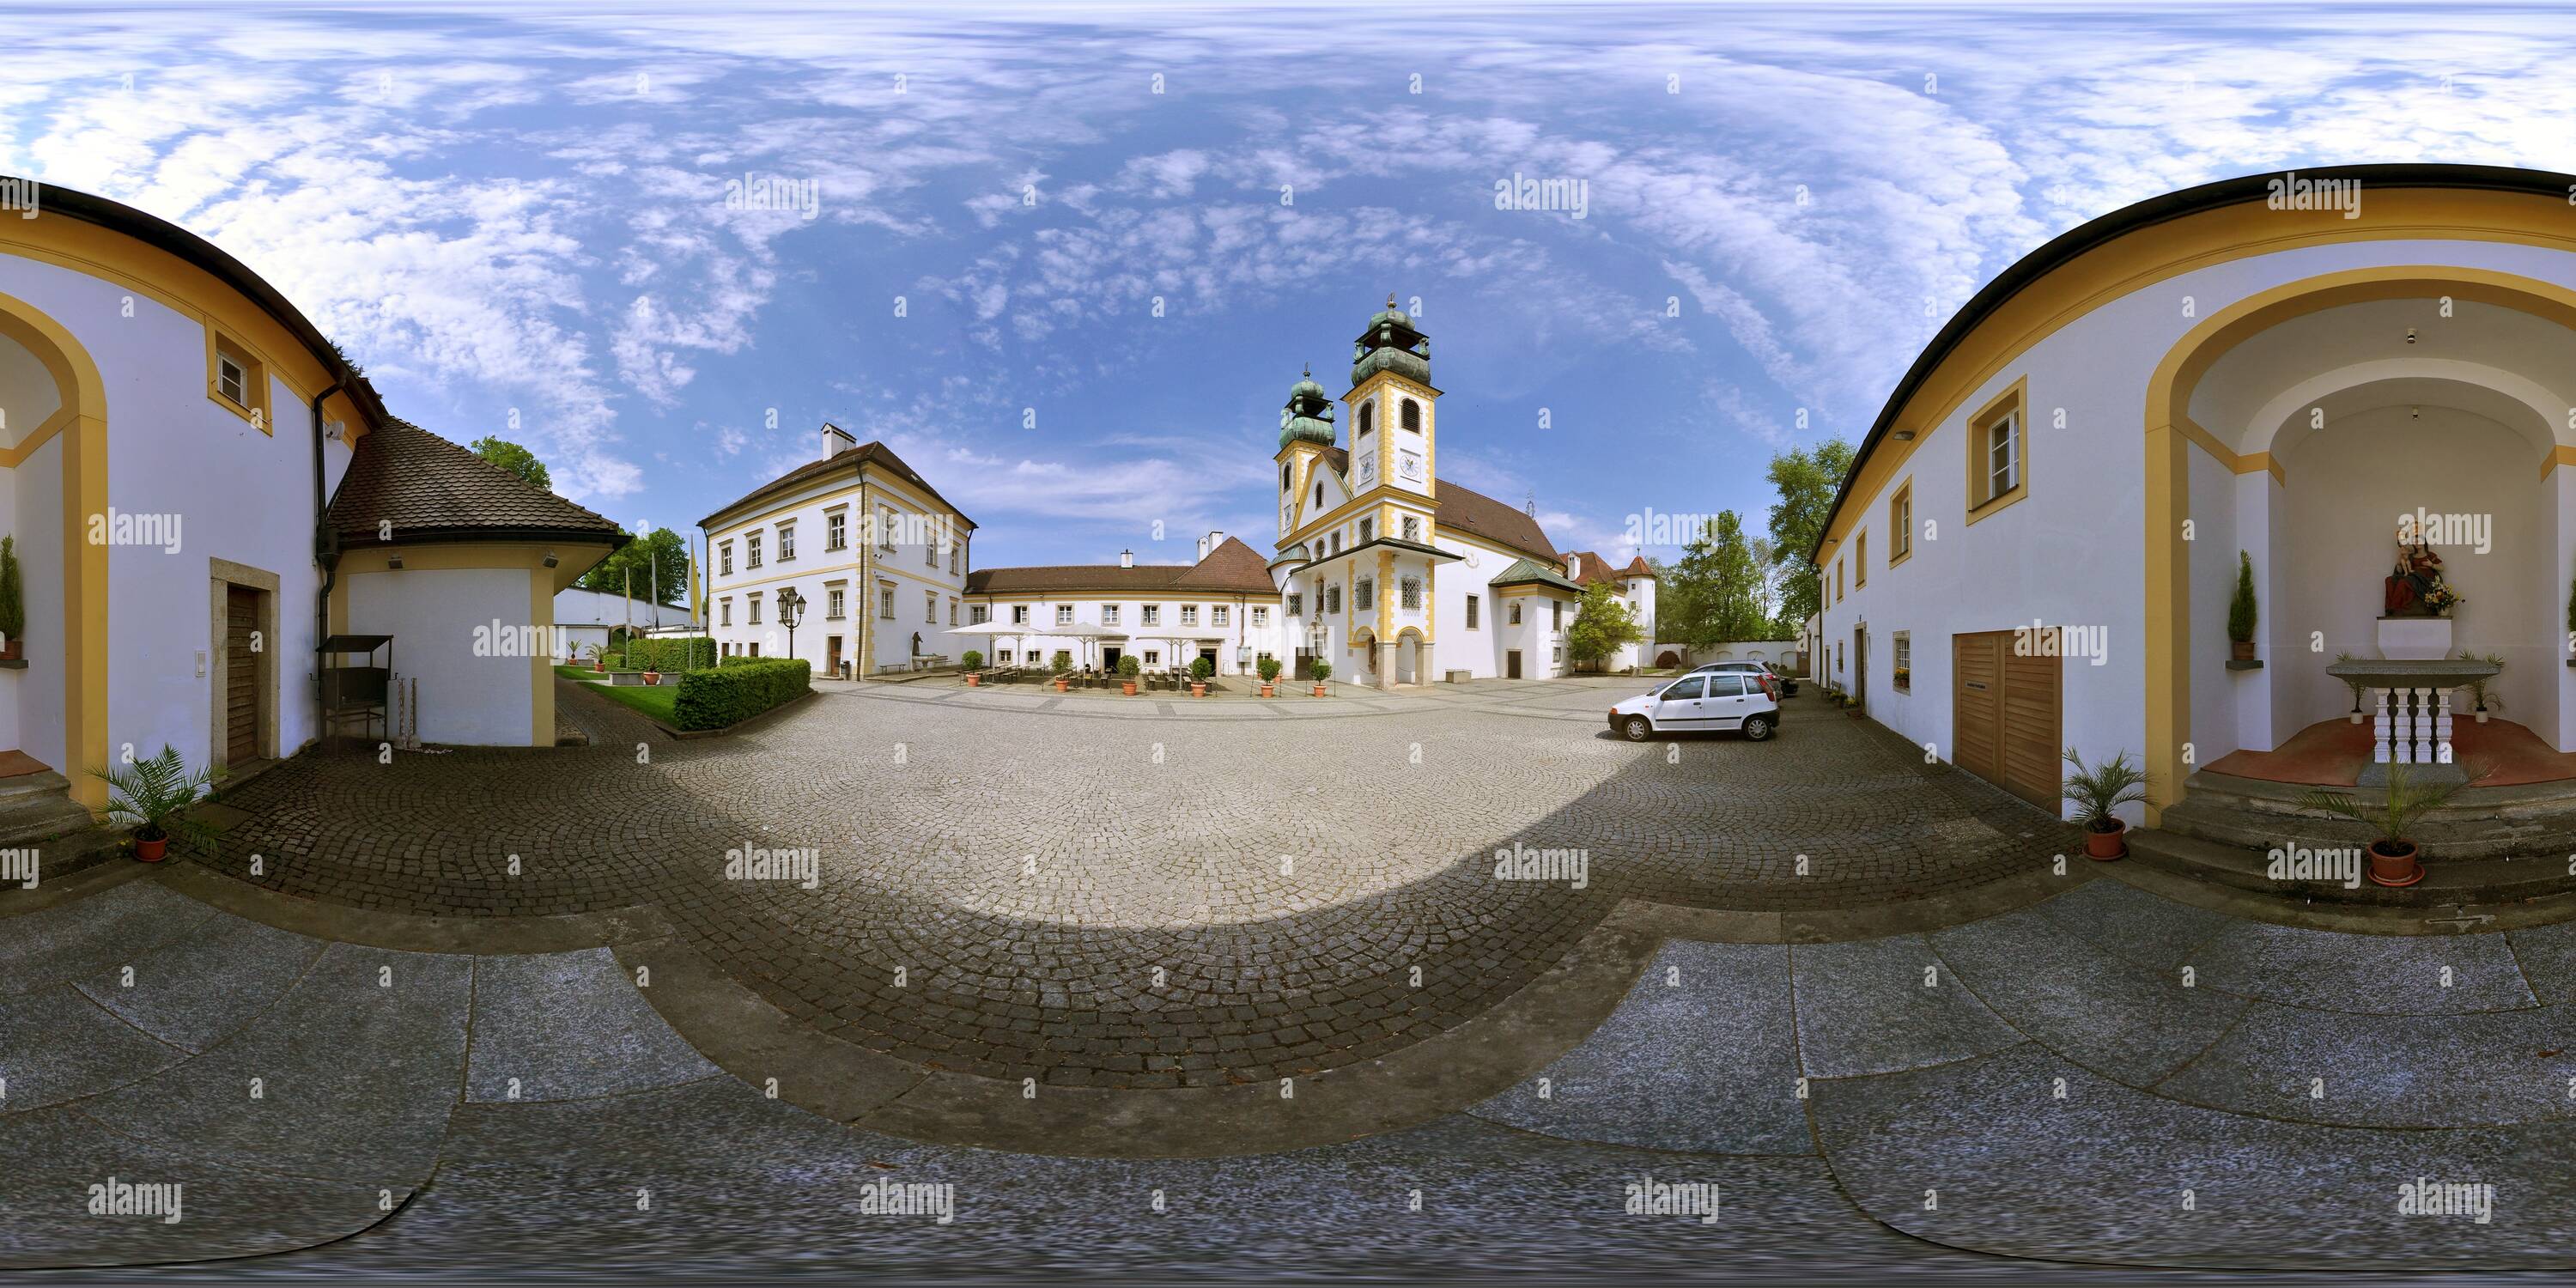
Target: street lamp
{"x": 791, "y": 609}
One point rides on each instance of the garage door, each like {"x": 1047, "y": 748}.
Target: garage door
{"x": 2004, "y": 713}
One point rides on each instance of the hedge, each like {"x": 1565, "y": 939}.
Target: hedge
{"x": 739, "y": 690}
{"x": 690, "y": 653}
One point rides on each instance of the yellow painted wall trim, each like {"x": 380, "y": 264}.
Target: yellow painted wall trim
{"x": 2562, "y": 454}
{"x": 81, "y": 421}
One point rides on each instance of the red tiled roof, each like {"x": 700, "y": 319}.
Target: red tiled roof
{"x": 847, "y": 458}
{"x": 1479, "y": 515}
{"x": 430, "y": 489}
{"x": 1232, "y": 568}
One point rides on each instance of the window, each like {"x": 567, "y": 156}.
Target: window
{"x": 1838, "y": 580}
{"x": 1368, "y": 528}
{"x": 885, "y": 528}
{"x": 1364, "y": 593}
{"x": 724, "y": 612}
{"x": 1189, "y": 614}
{"x": 1860, "y": 558}
{"x": 1998, "y": 454}
{"x": 1412, "y": 593}
{"x": 1109, "y": 614}
{"x": 1005, "y": 656}
{"x": 1283, "y": 478}
{"x": 1019, "y": 614}
{"x": 1557, "y": 655}
{"x": 956, "y": 554}
{"x": 751, "y": 550}
{"x": 1064, "y": 614}
{"x": 1516, "y": 612}
{"x": 979, "y": 614}
{"x": 952, "y": 610}
{"x": 1368, "y": 415}
{"x": 1260, "y": 617}
{"x": 786, "y": 542}
{"x": 836, "y": 603}
{"x": 235, "y": 380}
{"x": 724, "y": 558}
{"x": 930, "y": 554}
{"x": 1683, "y": 689}
{"x": 1319, "y": 496}
{"x": 1153, "y": 614}
{"x": 232, "y": 380}
{"x": 1556, "y": 614}
{"x": 1332, "y": 599}
{"x": 1726, "y": 685}
{"x": 1903, "y": 647}
{"x": 1900, "y": 525}
{"x": 1153, "y": 657}
{"x": 1297, "y": 604}
{"x": 1412, "y": 527}
{"x": 885, "y": 603}
{"x": 1219, "y": 615}
{"x": 1413, "y": 415}
{"x": 1472, "y": 603}
{"x": 836, "y": 530}
{"x": 752, "y": 602}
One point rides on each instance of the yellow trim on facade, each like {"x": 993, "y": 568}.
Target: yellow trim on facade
{"x": 255, "y": 366}
{"x": 2014, "y": 400}
{"x": 2562, "y": 454}
{"x": 1900, "y": 523}
{"x": 83, "y": 413}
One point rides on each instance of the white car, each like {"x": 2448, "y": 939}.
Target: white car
{"x": 1788, "y": 685}
{"x": 1715, "y": 701}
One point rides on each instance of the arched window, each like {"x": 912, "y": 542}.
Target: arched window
{"x": 1283, "y": 478}
{"x": 1319, "y": 496}
{"x": 1413, "y": 415}
{"x": 1368, "y": 415}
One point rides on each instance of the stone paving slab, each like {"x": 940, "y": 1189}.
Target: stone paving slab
{"x": 2382, "y": 974}
{"x": 175, "y": 993}
{"x": 355, "y": 1076}
{"x": 2390, "y": 1070}
{"x": 2113, "y": 1016}
{"x": 70, "y": 941}
{"x": 57, "y": 1046}
{"x": 1701, "y": 1057}
{"x": 1984, "y": 1154}
{"x": 1879, "y": 1005}
{"x": 2546, "y": 956}
{"x": 2134, "y": 926}
{"x": 565, "y": 1026}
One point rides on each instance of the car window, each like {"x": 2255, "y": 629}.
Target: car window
{"x": 1726, "y": 686}
{"x": 1685, "y": 687}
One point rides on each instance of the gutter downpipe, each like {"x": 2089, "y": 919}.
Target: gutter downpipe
{"x": 326, "y": 552}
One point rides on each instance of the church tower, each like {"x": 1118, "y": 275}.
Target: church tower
{"x": 1305, "y": 435}
{"x": 1392, "y": 410}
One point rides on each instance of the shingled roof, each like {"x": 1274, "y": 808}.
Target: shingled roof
{"x": 868, "y": 453}
{"x": 1588, "y": 567}
{"x": 1230, "y": 569}
{"x": 431, "y": 490}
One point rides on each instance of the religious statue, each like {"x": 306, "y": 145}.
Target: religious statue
{"x": 2416, "y": 588}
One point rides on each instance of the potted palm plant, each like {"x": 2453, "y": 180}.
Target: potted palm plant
{"x": 2098, "y": 792}
{"x": 2393, "y": 858}
{"x": 974, "y": 661}
{"x": 1269, "y": 669}
{"x": 1128, "y": 669}
{"x": 1062, "y": 666}
{"x": 598, "y": 660}
{"x": 13, "y": 601}
{"x": 2240, "y": 611}
{"x": 1321, "y": 670}
{"x": 151, "y": 798}
{"x": 2478, "y": 687}
{"x": 1200, "y": 670}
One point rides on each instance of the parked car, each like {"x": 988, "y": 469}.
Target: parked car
{"x": 1788, "y": 684}
{"x": 1716, "y": 701}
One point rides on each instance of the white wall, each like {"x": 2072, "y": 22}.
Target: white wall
{"x": 905, "y": 567}
{"x": 431, "y": 613}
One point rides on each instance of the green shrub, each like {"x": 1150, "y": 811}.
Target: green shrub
{"x": 737, "y": 691}
{"x": 13, "y": 599}
{"x": 1129, "y": 667}
{"x": 691, "y": 653}
{"x": 1061, "y": 663}
{"x": 1269, "y": 669}
{"x": 1201, "y": 669}
{"x": 2240, "y": 609}
{"x": 1320, "y": 669}
{"x": 973, "y": 659}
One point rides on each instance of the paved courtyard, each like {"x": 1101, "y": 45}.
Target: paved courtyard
{"x": 1139, "y": 893}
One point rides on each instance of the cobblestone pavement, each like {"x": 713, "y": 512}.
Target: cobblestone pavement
{"x": 1135, "y": 893}
{"x": 1987, "y": 1101}
{"x": 579, "y": 708}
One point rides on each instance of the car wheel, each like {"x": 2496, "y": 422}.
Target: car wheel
{"x": 1757, "y": 728}
{"x": 1638, "y": 728}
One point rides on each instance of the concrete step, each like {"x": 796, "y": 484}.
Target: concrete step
{"x": 37, "y": 816}
{"x": 2478, "y": 823}
{"x": 2446, "y": 882}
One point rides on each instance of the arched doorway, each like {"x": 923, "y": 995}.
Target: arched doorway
{"x": 61, "y": 453}
{"x": 1408, "y": 656}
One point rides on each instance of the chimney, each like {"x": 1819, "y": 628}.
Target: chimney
{"x": 1126, "y": 558}
{"x": 836, "y": 440}
{"x": 1214, "y": 539}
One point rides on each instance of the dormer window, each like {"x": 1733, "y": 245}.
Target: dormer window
{"x": 231, "y": 381}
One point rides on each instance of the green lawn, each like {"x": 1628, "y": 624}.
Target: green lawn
{"x": 655, "y": 700}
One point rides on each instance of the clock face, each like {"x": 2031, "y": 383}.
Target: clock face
{"x": 1412, "y": 466}
{"x": 1368, "y": 468}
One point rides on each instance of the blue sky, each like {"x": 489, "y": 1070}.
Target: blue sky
{"x": 516, "y": 218}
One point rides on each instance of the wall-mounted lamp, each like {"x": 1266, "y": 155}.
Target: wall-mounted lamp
{"x": 393, "y": 561}
{"x": 335, "y": 430}
{"x": 550, "y": 559}
{"x": 2410, "y": 335}
{"x": 1905, "y": 436}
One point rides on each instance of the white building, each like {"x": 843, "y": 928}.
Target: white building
{"x": 876, "y": 555}
{"x": 584, "y": 618}
{"x": 173, "y": 432}
{"x": 2039, "y": 538}
{"x": 1635, "y": 584}
{"x": 1221, "y": 607}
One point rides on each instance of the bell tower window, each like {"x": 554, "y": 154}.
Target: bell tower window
{"x": 1368, "y": 416}
{"x": 1413, "y": 415}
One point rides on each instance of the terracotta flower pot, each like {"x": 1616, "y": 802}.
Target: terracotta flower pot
{"x": 1265, "y": 690}
{"x": 9, "y": 651}
{"x": 2241, "y": 651}
{"x": 1127, "y": 687}
{"x": 974, "y": 681}
{"x": 1197, "y": 690}
{"x": 599, "y": 668}
{"x": 1062, "y": 684}
{"x": 1319, "y": 690}
{"x": 2105, "y": 846}
{"x": 652, "y": 677}
{"x": 151, "y": 851}
{"x": 2398, "y": 869}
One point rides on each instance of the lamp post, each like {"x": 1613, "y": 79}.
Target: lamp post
{"x": 791, "y": 609}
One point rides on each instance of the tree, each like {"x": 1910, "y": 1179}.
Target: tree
{"x": 517, "y": 460}
{"x": 660, "y": 562}
{"x": 1716, "y": 592}
{"x": 1601, "y": 624}
{"x": 1806, "y": 480}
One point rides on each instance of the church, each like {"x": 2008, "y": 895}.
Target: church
{"x": 1395, "y": 575}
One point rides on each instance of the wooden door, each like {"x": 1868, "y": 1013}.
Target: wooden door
{"x": 242, "y": 696}
{"x": 2006, "y": 705}
{"x": 1512, "y": 664}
